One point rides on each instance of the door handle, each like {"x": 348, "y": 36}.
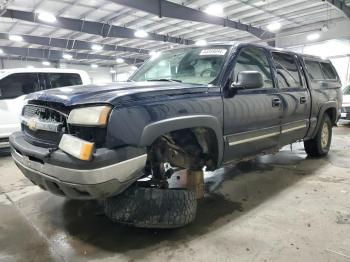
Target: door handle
{"x": 303, "y": 100}
{"x": 276, "y": 102}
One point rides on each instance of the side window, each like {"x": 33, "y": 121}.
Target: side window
{"x": 314, "y": 70}
{"x": 62, "y": 79}
{"x": 328, "y": 71}
{"x": 253, "y": 59}
{"x": 16, "y": 85}
{"x": 288, "y": 75}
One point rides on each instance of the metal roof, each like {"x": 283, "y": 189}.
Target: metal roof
{"x": 112, "y": 24}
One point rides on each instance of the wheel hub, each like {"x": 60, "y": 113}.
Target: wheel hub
{"x": 324, "y": 136}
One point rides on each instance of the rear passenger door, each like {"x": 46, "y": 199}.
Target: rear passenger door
{"x": 295, "y": 96}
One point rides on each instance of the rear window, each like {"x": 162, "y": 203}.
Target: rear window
{"x": 16, "y": 85}
{"x": 63, "y": 79}
{"x": 314, "y": 70}
{"x": 320, "y": 70}
{"x": 328, "y": 71}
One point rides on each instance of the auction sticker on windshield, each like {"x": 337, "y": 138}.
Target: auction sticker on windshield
{"x": 216, "y": 51}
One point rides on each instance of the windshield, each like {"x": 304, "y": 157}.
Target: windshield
{"x": 347, "y": 90}
{"x": 197, "y": 65}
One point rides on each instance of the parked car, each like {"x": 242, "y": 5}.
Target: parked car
{"x": 15, "y": 84}
{"x": 345, "y": 111}
{"x": 187, "y": 108}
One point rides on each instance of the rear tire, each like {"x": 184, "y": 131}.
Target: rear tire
{"x": 320, "y": 145}
{"x": 152, "y": 207}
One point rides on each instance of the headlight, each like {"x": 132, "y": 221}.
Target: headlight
{"x": 90, "y": 116}
{"x": 76, "y": 147}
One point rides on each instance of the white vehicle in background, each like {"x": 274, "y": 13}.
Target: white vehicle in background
{"x": 15, "y": 84}
{"x": 345, "y": 111}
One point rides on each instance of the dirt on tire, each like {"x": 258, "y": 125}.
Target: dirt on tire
{"x": 152, "y": 207}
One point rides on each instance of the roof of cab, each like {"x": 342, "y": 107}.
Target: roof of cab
{"x": 237, "y": 43}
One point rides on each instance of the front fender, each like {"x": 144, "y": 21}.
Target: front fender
{"x": 156, "y": 129}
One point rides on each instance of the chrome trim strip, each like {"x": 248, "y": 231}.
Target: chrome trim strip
{"x": 250, "y": 136}
{"x": 122, "y": 171}
{"x": 259, "y": 134}
{"x": 4, "y": 145}
{"x": 253, "y": 139}
{"x": 293, "y": 129}
{"x": 36, "y": 124}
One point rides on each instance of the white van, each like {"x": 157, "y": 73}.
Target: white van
{"x": 15, "y": 84}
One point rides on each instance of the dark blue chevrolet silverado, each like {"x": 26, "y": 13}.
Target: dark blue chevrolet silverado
{"x": 188, "y": 108}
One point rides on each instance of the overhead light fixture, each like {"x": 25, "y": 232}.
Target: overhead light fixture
{"x": 141, "y": 33}
{"x": 1, "y": 51}
{"x": 201, "y": 43}
{"x": 260, "y": 3}
{"x": 96, "y": 47}
{"x": 120, "y": 60}
{"x": 94, "y": 66}
{"x": 313, "y": 36}
{"x": 274, "y": 26}
{"x": 46, "y": 17}
{"x": 214, "y": 9}
{"x": 46, "y": 63}
{"x": 134, "y": 67}
{"x": 16, "y": 38}
{"x": 67, "y": 56}
{"x": 154, "y": 54}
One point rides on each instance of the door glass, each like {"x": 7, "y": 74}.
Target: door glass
{"x": 314, "y": 70}
{"x": 16, "y": 85}
{"x": 287, "y": 70}
{"x": 253, "y": 59}
{"x": 62, "y": 79}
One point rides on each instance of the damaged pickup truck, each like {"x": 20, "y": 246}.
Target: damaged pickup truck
{"x": 184, "y": 109}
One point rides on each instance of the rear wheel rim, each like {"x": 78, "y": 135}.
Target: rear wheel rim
{"x": 324, "y": 136}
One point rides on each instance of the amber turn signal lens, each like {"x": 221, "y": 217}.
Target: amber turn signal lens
{"x": 77, "y": 147}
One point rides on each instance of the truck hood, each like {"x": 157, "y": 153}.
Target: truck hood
{"x": 114, "y": 93}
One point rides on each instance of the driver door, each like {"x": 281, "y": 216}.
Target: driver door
{"x": 252, "y": 117}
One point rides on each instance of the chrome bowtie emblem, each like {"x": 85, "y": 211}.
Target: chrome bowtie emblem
{"x": 32, "y": 124}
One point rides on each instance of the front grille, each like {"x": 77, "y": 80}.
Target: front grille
{"x": 43, "y": 134}
{"x": 345, "y": 109}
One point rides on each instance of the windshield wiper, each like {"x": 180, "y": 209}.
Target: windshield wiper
{"x": 165, "y": 79}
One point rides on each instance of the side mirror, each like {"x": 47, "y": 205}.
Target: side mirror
{"x": 248, "y": 80}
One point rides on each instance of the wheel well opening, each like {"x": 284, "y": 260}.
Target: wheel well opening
{"x": 332, "y": 113}
{"x": 191, "y": 148}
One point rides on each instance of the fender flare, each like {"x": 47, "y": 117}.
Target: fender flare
{"x": 323, "y": 109}
{"x": 156, "y": 129}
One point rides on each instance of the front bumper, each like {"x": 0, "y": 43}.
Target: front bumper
{"x": 108, "y": 174}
